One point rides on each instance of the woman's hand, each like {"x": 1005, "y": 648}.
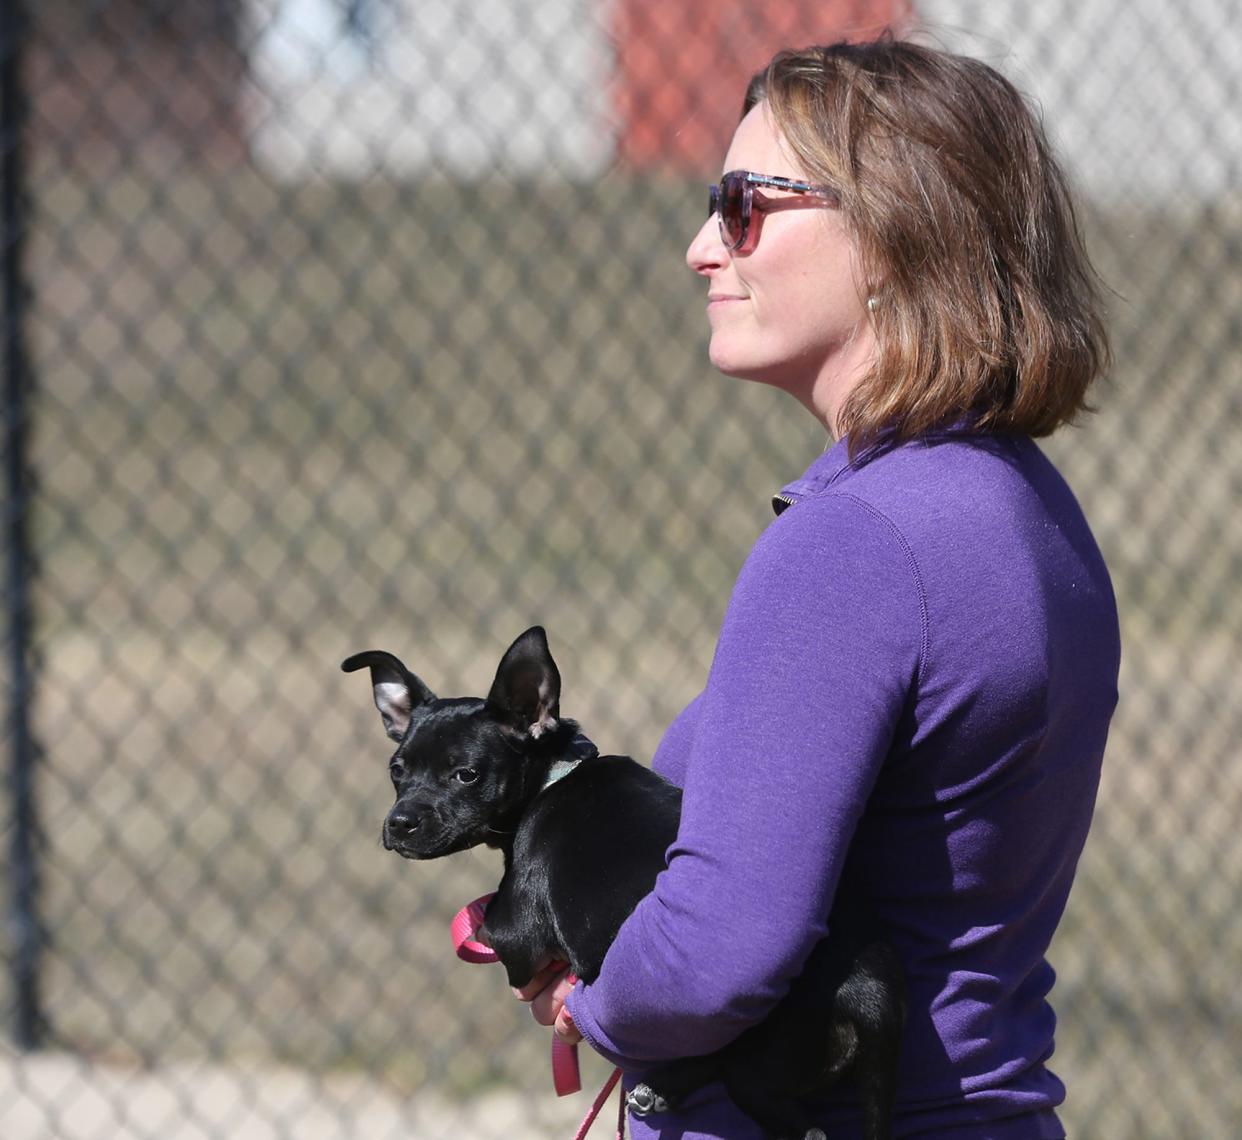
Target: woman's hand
{"x": 546, "y": 993}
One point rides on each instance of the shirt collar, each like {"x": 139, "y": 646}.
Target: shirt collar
{"x": 828, "y": 467}
{"x": 835, "y": 463}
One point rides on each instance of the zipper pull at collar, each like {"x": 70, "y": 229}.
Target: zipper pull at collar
{"x": 782, "y": 501}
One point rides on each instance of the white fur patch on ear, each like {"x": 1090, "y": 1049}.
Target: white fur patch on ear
{"x": 395, "y": 706}
{"x": 393, "y": 694}
{"x": 546, "y": 721}
{"x": 546, "y": 724}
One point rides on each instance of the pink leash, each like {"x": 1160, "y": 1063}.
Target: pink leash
{"x": 566, "y": 1076}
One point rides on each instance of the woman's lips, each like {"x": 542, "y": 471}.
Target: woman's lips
{"x": 718, "y": 300}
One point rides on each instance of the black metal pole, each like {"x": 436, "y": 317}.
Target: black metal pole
{"x": 24, "y": 919}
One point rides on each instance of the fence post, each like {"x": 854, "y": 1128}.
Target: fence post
{"x": 23, "y": 869}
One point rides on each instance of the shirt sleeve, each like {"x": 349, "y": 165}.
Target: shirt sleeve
{"x": 820, "y": 647}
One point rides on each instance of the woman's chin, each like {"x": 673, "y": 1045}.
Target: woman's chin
{"x": 741, "y": 367}
{"x": 732, "y": 363}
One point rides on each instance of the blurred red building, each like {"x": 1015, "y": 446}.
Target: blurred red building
{"x": 682, "y": 65}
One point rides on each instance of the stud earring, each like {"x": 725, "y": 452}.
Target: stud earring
{"x": 873, "y": 303}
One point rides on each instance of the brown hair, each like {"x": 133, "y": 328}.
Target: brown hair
{"x": 986, "y": 305}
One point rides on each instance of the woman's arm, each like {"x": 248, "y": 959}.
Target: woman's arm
{"x": 819, "y": 651}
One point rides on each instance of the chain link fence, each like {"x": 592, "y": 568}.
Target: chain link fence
{"x": 335, "y": 324}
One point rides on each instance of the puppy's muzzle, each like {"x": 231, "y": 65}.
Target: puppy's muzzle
{"x": 402, "y": 828}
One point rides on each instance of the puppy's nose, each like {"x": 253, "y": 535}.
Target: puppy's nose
{"x": 403, "y": 821}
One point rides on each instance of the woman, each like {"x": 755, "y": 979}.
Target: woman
{"x": 912, "y": 687}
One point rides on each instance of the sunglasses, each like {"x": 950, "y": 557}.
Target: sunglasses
{"x": 735, "y": 199}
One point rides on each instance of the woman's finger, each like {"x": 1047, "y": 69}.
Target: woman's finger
{"x": 543, "y": 977}
{"x": 546, "y": 1006}
{"x": 565, "y": 1028}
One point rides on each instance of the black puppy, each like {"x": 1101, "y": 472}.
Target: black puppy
{"x": 584, "y": 837}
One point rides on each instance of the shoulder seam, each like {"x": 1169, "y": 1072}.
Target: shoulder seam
{"x": 896, "y": 531}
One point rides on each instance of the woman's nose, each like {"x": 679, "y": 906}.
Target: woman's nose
{"x": 707, "y": 251}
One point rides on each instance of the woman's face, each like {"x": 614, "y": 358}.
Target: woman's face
{"x": 788, "y": 308}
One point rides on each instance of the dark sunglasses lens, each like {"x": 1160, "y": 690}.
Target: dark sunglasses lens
{"x": 733, "y": 211}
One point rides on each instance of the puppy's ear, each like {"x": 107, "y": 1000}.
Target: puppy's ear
{"x": 526, "y": 695}
{"x": 398, "y": 693}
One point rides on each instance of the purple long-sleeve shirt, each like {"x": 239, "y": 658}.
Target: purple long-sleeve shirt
{"x": 909, "y": 700}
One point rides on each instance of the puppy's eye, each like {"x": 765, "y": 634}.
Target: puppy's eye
{"x": 396, "y": 771}
{"x": 465, "y": 775}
